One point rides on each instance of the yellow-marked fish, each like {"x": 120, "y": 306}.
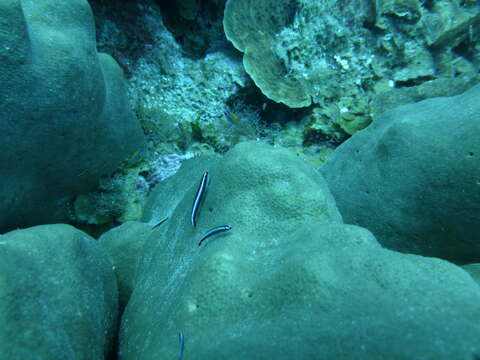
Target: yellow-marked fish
{"x": 135, "y": 155}
{"x": 182, "y": 130}
{"x": 230, "y": 117}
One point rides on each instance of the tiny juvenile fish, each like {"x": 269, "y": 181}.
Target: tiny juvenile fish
{"x": 202, "y": 188}
{"x": 276, "y": 126}
{"x": 214, "y": 231}
{"x": 181, "y": 345}
{"x": 160, "y": 222}
{"x": 230, "y": 117}
{"x": 182, "y": 130}
{"x": 136, "y": 156}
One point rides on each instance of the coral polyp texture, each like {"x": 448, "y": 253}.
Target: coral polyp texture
{"x": 58, "y": 295}
{"x": 412, "y": 177}
{"x": 63, "y": 110}
{"x": 289, "y": 281}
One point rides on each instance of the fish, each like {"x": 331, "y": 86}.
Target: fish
{"x": 181, "y": 345}
{"x": 82, "y": 172}
{"x": 230, "y": 117}
{"x": 160, "y": 222}
{"x": 276, "y": 125}
{"x": 135, "y": 155}
{"x": 202, "y": 188}
{"x": 182, "y": 130}
{"x": 214, "y": 231}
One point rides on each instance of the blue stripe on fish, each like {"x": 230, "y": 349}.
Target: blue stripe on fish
{"x": 198, "y": 198}
{"x": 181, "y": 345}
{"x": 182, "y": 130}
{"x": 214, "y": 231}
{"x": 230, "y": 117}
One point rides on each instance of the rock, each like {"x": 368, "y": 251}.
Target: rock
{"x": 63, "y": 110}
{"x": 260, "y": 178}
{"x": 393, "y": 97}
{"x": 299, "y": 51}
{"x": 412, "y": 178}
{"x": 447, "y": 21}
{"x": 421, "y": 41}
{"x": 124, "y": 247}
{"x": 58, "y": 295}
{"x": 474, "y": 271}
{"x": 307, "y": 51}
{"x": 289, "y": 281}
{"x": 262, "y": 192}
{"x": 407, "y": 9}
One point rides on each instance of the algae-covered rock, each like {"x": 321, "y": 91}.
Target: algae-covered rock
{"x": 180, "y": 80}
{"x": 63, "y": 110}
{"x": 421, "y": 41}
{"x": 412, "y": 177}
{"x": 300, "y": 52}
{"x": 406, "y": 9}
{"x": 124, "y": 247}
{"x": 389, "y": 99}
{"x": 448, "y": 21}
{"x": 296, "y": 51}
{"x": 289, "y": 281}
{"x": 58, "y": 295}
